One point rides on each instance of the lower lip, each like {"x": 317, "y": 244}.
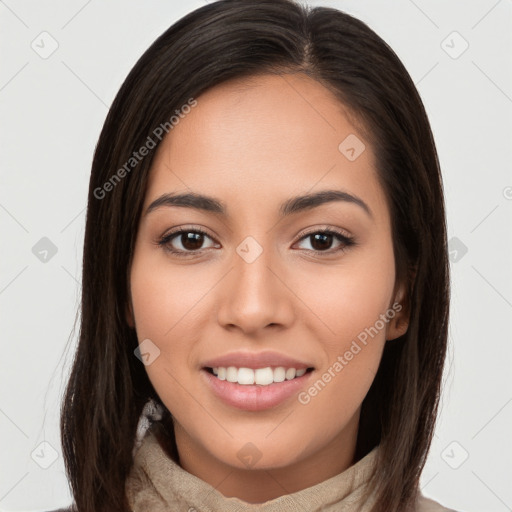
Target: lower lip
{"x": 254, "y": 397}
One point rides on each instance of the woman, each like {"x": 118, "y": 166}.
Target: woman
{"x": 265, "y": 278}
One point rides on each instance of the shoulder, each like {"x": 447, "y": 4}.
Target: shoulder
{"x": 424, "y": 504}
{"x": 68, "y": 509}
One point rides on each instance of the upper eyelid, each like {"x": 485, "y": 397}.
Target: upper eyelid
{"x": 336, "y": 231}
{"x": 186, "y": 229}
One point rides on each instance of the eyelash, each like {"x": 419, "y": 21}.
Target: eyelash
{"x": 346, "y": 241}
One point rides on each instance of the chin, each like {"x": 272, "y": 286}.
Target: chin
{"x": 259, "y": 453}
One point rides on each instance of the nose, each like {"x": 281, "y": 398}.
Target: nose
{"x": 254, "y": 297}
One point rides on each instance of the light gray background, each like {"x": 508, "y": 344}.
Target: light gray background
{"x": 52, "y": 110}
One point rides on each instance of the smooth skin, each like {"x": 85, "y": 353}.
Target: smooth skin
{"x": 252, "y": 145}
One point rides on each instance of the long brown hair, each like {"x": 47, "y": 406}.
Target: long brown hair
{"x": 108, "y": 385}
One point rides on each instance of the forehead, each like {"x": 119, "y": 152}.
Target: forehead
{"x": 266, "y": 136}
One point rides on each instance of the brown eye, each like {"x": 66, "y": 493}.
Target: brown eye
{"x": 327, "y": 241}
{"x": 321, "y": 241}
{"x": 184, "y": 242}
{"x": 191, "y": 240}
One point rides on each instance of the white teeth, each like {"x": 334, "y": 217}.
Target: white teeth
{"x": 260, "y": 376}
{"x": 263, "y": 376}
{"x": 232, "y": 374}
{"x": 290, "y": 373}
{"x": 279, "y": 374}
{"x": 246, "y": 376}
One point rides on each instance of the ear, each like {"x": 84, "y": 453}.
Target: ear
{"x": 399, "y": 312}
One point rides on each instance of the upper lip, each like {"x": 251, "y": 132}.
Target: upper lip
{"x": 255, "y": 360}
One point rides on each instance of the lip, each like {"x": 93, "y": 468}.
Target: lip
{"x": 256, "y": 360}
{"x": 254, "y": 397}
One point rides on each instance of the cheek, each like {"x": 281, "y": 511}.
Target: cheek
{"x": 159, "y": 300}
{"x": 349, "y": 298}
{"x": 168, "y": 310}
{"x": 351, "y": 304}
{"x": 167, "y": 298}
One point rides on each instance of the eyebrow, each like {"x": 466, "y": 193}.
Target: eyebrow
{"x": 293, "y": 205}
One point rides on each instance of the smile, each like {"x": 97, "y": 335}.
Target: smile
{"x": 259, "y": 376}
{"x": 255, "y": 389}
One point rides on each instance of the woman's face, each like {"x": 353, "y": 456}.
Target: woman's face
{"x": 265, "y": 286}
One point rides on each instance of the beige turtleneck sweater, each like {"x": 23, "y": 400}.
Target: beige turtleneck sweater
{"x": 158, "y": 484}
